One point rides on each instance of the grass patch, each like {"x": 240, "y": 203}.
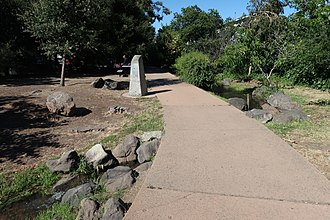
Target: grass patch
{"x": 283, "y": 129}
{"x": 151, "y": 119}
{"x": 17, "y": 186}
{"x": 317, "y": 128}
{"x": 61, "y": 211}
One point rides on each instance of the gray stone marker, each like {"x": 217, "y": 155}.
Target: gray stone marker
{"x": 138, "y": 84}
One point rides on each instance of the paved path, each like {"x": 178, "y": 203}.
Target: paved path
{"x": 216, "y": 163}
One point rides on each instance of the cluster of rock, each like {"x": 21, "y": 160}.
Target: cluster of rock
{"x": 115, "y": 175}
{"x": 105, "y": 84}
{"x": 278, "y": 108}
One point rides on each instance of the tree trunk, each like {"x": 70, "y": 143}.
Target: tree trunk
{"x": 62, "y": 73}
{"x": 250, "y": 70}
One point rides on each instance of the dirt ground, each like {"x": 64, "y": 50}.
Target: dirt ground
{"x": 29, "y": 134}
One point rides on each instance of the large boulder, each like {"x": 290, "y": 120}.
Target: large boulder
{"x": 118, "y": 178}
{"x": 238, "y": 103}
{"x": 88, "y": 210}
{"x": 287, "y": 116}
{"x": 147, "y": 150}
{"x": 75, "y": 195}
{"x": 260, "y": 115}
{"x": 114, "y": 209}
{"x": 61, "y": 103}
{"x": 99, "y": 158}
{"x": 281, "y": 101}
{"x": 67, "y": 162}
{"x": 125, "y": 152}
{"x": 98, "y": 83}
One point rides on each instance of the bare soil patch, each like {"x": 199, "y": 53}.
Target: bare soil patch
{"x": 29, "y": 134}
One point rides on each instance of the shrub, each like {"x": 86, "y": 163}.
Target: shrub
{"x": 197, "y": 69}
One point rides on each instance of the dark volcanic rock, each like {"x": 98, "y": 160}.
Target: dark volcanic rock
{"x": 75, "y": 195}
{"x": 147, "y": 150}
{"x": 118, "y": 178}
{"x": 260, "y": 115}
{"x": 66, "y": 163}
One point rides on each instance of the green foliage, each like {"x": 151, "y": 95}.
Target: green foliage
{"x": 17, "y": 186}
{"x": 191, "y": 30}
{"x": 85, "y": 168}
{"x": 194, "y": 24}
{"x": 197, "y": 69}
{"x": 61, "y": 211}
{"x": 309, "y": 44}
{"x": 15, "y": 45}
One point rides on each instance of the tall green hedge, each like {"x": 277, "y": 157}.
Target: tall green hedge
{"x": 197, "y": 69}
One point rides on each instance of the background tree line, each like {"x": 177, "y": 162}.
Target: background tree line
{"x": 92, "y": 31}
{"x": 264, "y": 44}
{"x": 201, "y": 45}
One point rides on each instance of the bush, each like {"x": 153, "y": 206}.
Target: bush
{"x": 197, "y": 69}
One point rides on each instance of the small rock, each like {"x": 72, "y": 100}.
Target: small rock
{"x": 61, "y": 103}
{"x": 98, "y": 157}
{"x": 260, "y": 115}
{"x": 88, "y": 128}
{"x": 118, "y": 178}
{"x": 75, "y": 195}
{"x": 147, "y": 150}
{"x": 125, "y": 152}
{"x": 117, "y": 110}
{"x": 143, "y": 167}
{"x": 238, "y": 103}
{"x": 36, "y": 91}
{"x": 88, "y": 210}
{"x": 98, "y": 83}
{"x": 66, "y": 163}
{"x": 148, "y": 136}
{"x": 112, "y": 85}
{"x": 281, "y": 101}
{"x": 114, "y": 209}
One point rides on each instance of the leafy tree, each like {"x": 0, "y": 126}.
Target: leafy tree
{"x": 14, "y": 43}
{"x": 63, "y": 27}
{"x": 82, "y": 28}
{"x": 194, "y": 24}
{"x": 259, "y": 44}
{"x": 308, "y": 48}
{"x": 191, "y": 30}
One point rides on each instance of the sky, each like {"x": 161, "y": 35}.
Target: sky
{"x": 226, "y": 8}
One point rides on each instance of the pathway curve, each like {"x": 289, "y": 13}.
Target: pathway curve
{"x": 216, "y": 163}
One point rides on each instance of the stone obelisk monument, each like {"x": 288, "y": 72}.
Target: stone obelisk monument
{"x": 138, "y": 83}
